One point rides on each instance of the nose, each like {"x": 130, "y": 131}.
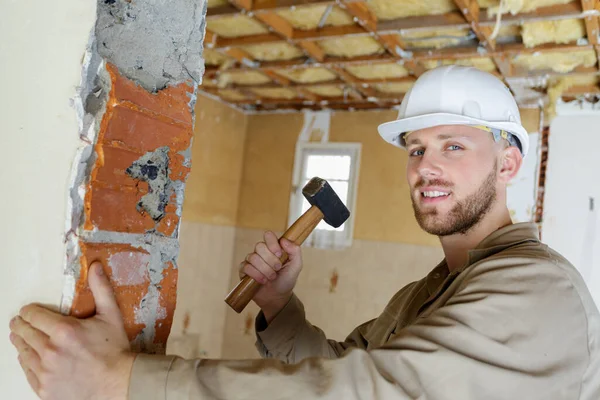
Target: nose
{"x": 429, "y": 167}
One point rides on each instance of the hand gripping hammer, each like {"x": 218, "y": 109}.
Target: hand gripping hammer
{"x": 325, "y": 205}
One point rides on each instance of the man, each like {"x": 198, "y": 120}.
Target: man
{"x": 501, "y": 317}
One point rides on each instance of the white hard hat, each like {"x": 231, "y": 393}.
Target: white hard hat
{"x": 456, "y": 95}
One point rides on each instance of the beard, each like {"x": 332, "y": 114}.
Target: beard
{"x": 464, "y": 215}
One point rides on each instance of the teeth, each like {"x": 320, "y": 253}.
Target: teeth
{"x": 434, "y": 194}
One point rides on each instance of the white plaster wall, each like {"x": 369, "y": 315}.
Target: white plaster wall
{"x": 572, "y": 178}
{"x": 41, "y": 47}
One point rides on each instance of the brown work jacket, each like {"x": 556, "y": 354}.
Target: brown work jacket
{"x": 516, "y": 322}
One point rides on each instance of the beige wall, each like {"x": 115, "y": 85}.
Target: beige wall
{"x": 207, "y": 232}
{"x": 41, "y": 49}
{"x": 212, "y": 189}
{"x": 383, "y": 209}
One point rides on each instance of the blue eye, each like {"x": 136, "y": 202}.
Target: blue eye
{"x": 454, "y": 147}
{"x": 416, "y": 153}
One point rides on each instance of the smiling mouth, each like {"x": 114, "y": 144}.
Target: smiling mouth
{"x": 434, "y": 194}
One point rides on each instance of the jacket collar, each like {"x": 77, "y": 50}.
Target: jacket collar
{"x": 502, "y": 239}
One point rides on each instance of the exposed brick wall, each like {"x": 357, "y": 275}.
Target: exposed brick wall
{"x": 133, "y": 202}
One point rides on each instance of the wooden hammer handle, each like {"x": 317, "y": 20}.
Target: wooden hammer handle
{"x": 245, "y": 291}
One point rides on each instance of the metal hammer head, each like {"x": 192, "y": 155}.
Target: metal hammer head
{"x": 318, "y": 193}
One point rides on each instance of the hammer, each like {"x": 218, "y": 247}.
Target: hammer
{"x": 325, "y": 205}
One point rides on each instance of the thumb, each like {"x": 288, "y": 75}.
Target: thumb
{"x": 106, "y": 304}
{"x": 293, "y": 251}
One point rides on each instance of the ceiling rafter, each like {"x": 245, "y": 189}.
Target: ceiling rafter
{"x": 389, "y": 34}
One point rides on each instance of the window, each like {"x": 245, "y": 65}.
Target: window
{"x": 338, "y": 164}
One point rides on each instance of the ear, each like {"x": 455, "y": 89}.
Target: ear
{"x": 510, "y": 164}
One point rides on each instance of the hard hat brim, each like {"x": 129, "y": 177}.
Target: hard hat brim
{"x": 390, "y": 131}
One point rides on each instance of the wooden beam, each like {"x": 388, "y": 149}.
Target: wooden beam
{"x": 313, "y": 50}
{"x": 242, "y": 56}
{"x": 279, "y": 24}
{"x": 395, "y": 43}
{"x": 328, "y": 31}
{"x": 591, "y": 21}
{"x": 245, "y": 40}
{"x": 453, "y": 19}
{"x": 361, "y": 12}
{"x": 273, "y": 4}
{"x": 225, "y": 9}
{"x": 582, "y": 90}
{"x": 210, "y": 39}
{"x": 591, "y": 25}
{"x": 361, "y": 87}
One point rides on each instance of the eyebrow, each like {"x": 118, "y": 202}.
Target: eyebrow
{"x": 442, "y": 136}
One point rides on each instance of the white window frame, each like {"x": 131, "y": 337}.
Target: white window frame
{"x": 305, "y": 149}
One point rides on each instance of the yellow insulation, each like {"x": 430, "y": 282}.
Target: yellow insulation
{"x": 394, "y": 87}
{"x": 326, "y": 90}
{"x": 392, "y": 9}
{"x": 557, "y": 86}
{"x": 557, "y": 61}
{"x": 273, "y": 51}
{"x": 482, "y": 63}
{"x": 353, "y": 46}
{"x": 438, "y": 38}
{"x": 232, "y": 95}
{"x": 309, "y": 17}
{"x": 214, "y": 58}
{"x": 243, "y": 78}
{"x": 235, "y": 26}
{"x": 307, "y": 75}
{"x": 559, "y": 31}
{"x": 276, "y": 93}
{"x": 518, "y": 6}
{"x": 377, "y": 71}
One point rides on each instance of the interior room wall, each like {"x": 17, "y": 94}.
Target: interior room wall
{"x": 207, "y": 233}
{"x": 41, "y": 49}
{"x": 571, "y": 222}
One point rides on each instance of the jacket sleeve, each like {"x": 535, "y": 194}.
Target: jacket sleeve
{"x": 515, "y": 329}
{"x": 291, "y": 338}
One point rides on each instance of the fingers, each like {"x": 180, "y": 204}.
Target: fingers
{"x": 269, "y": 258}
{"x": 262, "y": 266}
{"x": 41, "y": 318}
{"x": 27, "y": 334}
{"x": 273, "y": 244}
{"x": 247, "y": 269}
{"x": 31, "y": 377}
{"x": 104, "y": 296}
{"x": 28, "y": 357}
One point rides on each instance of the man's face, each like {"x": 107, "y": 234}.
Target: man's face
{"x": 452, "y": 172}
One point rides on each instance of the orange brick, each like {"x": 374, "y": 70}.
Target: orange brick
{"x": 113, "y": 209}
{"x": 177, "y": 171}
{"x": 112, "y": 165}
{"x": 168, "y": 224}
{"x": 143, "y": 133}
{"x": 125, "y": 266}
{"x": 168, "y": 300}
{"x": 172, "y": 102}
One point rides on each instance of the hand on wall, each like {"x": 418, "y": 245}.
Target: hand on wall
{"x": 68, "y": 358}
